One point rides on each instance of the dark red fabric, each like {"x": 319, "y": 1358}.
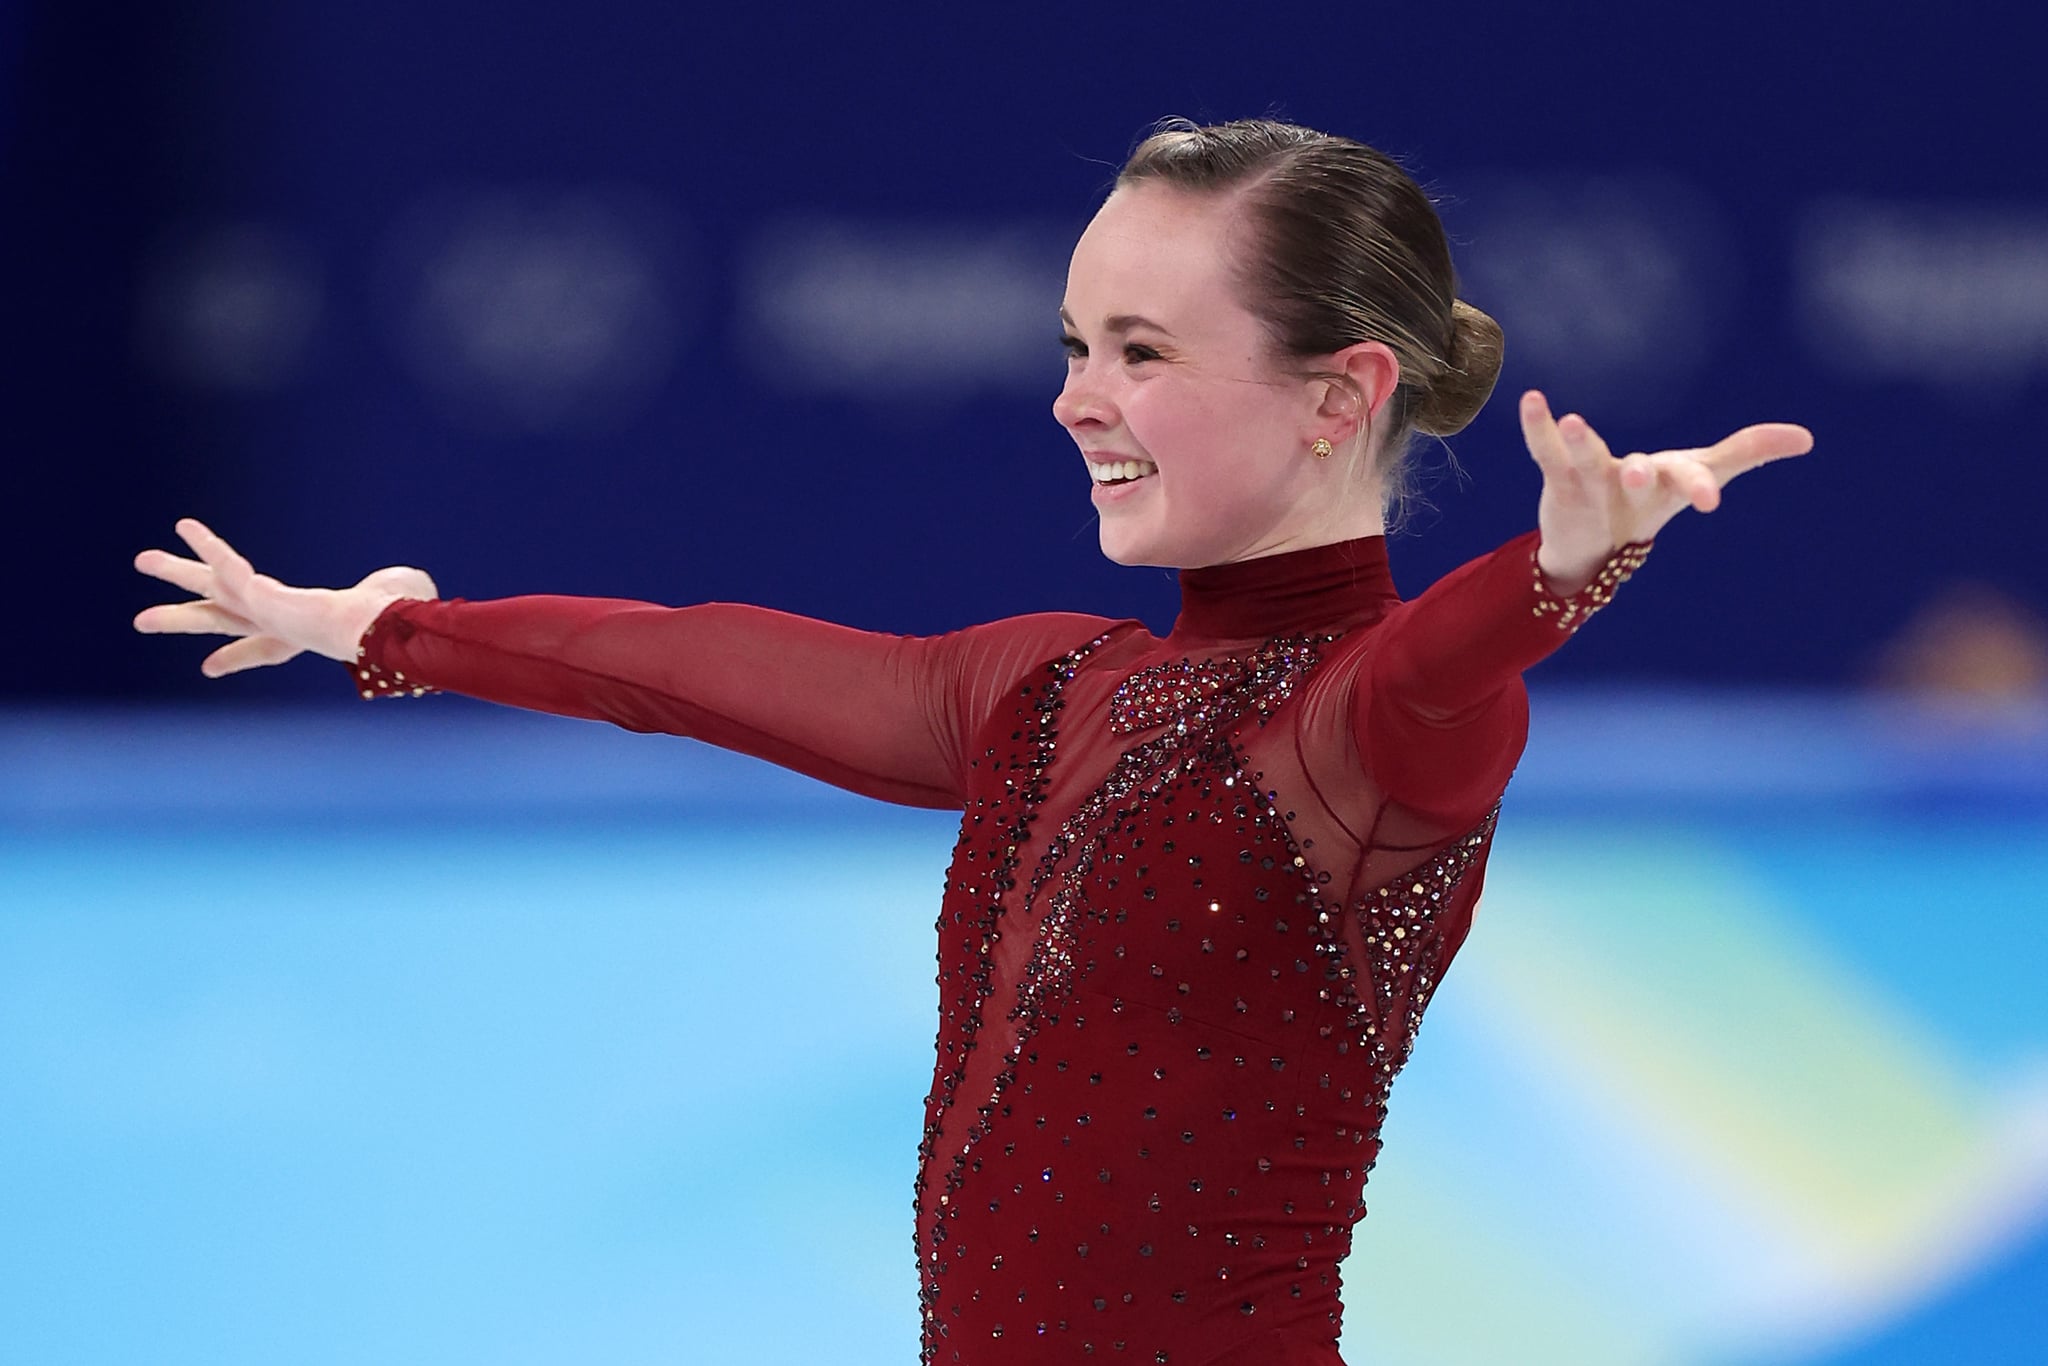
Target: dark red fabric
{"x": 1203, "y": 890}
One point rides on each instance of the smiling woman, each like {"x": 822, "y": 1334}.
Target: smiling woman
{"x": 1205, "y": 884}
{"x": 1292, "y": 291}
{"x": 1191, "y": 392}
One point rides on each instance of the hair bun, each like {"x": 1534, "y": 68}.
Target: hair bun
{"x": 1471, "y": 367}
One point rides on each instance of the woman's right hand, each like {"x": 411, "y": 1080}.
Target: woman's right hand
{"x": 273, "y": 620}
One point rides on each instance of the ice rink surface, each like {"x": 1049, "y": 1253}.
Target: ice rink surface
{"x": 437, "y": 1033}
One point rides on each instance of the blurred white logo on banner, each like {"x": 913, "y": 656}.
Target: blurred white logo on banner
{"x": 867, "y": 308}
{"x": 535, "y": 310}
{"x": 1611, "y": 289}
{"x": 1950, "y": 296}
{"x": 227, "y": 306}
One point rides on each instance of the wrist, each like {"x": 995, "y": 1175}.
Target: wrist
{"x": 352, "y": 624}
{"x": 1566, "y": 572}
{"x": 1567, "y": 602}
{"x": 371, "y": 662}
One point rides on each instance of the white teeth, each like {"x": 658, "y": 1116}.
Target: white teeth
{"x": 1121, "y": 469}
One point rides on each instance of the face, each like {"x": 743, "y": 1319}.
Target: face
{"x": 1171, "y": 380}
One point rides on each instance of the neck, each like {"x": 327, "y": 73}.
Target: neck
{"x": 1328, "y": 587}
{"x": 1340, "y": 509}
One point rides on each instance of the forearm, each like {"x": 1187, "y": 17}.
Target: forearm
{"x": 852, "y": 708}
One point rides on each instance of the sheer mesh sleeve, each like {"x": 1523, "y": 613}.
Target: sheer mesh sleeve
{"x": 883, "y": 715}
{"x": 1442, "y": 712}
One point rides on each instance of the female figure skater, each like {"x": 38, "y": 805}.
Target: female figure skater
{"x": 1205, "y": 884}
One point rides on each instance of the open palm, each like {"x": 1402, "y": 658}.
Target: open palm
{"x": 273, "y": 621}
{"x": 1593, "y": 503}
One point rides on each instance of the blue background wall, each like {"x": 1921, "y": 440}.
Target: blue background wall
{"x": 756, "y": 303}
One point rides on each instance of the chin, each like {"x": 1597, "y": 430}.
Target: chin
{"x": 1122, "y": 545}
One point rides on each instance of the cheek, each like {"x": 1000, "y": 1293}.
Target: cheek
{"x": 1205, "y": 438}
{"x": 1177, "y": 420}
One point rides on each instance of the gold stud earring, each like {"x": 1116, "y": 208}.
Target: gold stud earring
{"x": 1322, "y": 447}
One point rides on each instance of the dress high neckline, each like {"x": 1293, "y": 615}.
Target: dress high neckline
{"x": 1326, "y": 587}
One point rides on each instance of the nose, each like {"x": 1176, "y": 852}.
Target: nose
{"x": 1081, "y": 403}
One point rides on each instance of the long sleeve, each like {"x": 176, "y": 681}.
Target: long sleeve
{"x": 883, "y": 715}
{"x": 1443, "y": 714}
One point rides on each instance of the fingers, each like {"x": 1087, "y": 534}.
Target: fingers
{"x": 1638, "y": 474}
{"x": 1565, "y": 447}
{"x": 218, "y": 565}
{"x": 1569, "y": 447}
{"x": 1546, "y": 444}
{"x": 190, "y": 575}
{"x": 1681, "y": 473}
{"x": 192, "y": 619}
{"x": 1759, "y": 444}
{"x": 253, "y": 653}
{"x": 1652, "y": 487}
{"x": 1691, "y": 479}
{"x": 231, "y": 569}
{"x": 1585, "y": 444}
{"x": 1646, "y": 480}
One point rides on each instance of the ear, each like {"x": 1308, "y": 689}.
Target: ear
{"x": 1370, "y": 373}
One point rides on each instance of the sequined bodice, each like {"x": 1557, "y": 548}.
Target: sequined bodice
{"x": 1149, "y": 1132}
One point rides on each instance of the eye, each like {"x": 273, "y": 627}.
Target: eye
{"x": 1135, "y": 353}
{"x": 1073, "y": 346}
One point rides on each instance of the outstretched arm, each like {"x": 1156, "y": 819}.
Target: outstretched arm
{"x": 887, "y": 716}
{"x": 1441, "y": 714}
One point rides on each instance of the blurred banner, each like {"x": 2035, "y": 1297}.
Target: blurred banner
{"x": 758, "y": 303}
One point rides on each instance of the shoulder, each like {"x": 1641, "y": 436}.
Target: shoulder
{"x": 1055, "y": 633}
{"x": 1002, "y": 653}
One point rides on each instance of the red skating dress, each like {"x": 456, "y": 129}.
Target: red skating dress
{"x": 1203, "y": 889}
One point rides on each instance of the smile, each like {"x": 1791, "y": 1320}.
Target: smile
{"x": 1120, "y": 471}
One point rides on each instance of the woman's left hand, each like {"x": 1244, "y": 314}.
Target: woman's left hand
{"x": 1593, "y": 504}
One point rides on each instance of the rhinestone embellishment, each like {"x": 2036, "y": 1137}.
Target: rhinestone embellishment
{"x": 1569, "y": 614}
{"x": 1194, "y": 695}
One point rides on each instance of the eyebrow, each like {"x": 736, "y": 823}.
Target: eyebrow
{"x": 1120, "y": 322}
